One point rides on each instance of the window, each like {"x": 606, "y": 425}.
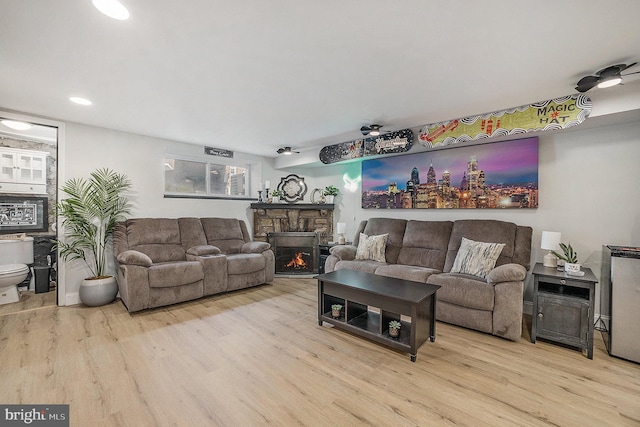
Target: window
{"x": 207, "y": 179}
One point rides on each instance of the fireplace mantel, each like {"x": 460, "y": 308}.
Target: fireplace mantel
{"x": 305, "y": 206}
{"x": 292, "y": 217}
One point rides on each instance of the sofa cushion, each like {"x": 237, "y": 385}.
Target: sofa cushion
{"x": 134, "y": 258}
{"x": 476, "y": 258}
{"x": 485, "y": 230}
{"x": 158, "y": 238}
{"x": 372, "y": 247}
{"x": 169, "y": 274}
{"x": 393, "y": 227}
{"x": 406, "y": 272}
{"x": 245, "y": 263}
{"x": 191, "y": 233}
{"x": 463, "y": 290}
{"x": 425, "y": 243}
{"x": 225, "y": 233}
{"x": 365, "y": 266}
{"x": 147, "y": 231}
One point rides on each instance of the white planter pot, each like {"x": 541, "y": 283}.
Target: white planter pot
{"x": 275, "y": 199}
{"x": 571, "y": 268}
{"x": 97, "y": 292}
{"x": 329, "y": 199}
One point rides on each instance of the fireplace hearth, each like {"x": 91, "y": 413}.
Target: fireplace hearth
{"x": 295, "y": 253}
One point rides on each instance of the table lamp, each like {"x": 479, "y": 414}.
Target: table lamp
{"x": 550, "y": 242}
{"x": 341, "y": 228}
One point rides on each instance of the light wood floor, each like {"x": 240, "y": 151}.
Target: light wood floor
{"x": 258, "y": 357}
{"x": 29, "y": 300}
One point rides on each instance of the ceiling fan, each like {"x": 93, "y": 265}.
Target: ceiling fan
{"x": 287, "y": 151}
{"x": 373, "y": 130}
{"x": 606, "y": 77}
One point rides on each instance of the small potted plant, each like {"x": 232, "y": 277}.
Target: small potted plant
{"x": 275, "y": 196}
{"x": 394, "y": 329}
{"x": 329, "y": 193}
{"x": 570, "y": 258}
{"x": 336, "y": 309}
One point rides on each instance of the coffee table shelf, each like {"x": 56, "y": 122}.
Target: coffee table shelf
{"x": 370, "y": 302}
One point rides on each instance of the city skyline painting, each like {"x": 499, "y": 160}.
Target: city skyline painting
{"x": 497, "y": 175}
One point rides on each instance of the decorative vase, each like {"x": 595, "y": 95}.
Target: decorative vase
{"x": 97, "y": 292}
{"x": 571, "y": 268}
{"x": 394, "y": 332}
{"x": 329, "y": 199}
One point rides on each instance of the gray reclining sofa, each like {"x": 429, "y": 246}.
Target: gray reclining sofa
{"x": 164, "y": 261}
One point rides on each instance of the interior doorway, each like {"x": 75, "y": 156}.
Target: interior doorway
{"x": 29, "y": 158}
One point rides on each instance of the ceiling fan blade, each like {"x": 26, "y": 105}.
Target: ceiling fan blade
{"x": 623, "y": 67}
{"x": 365, "y": 130}
{"x": 280, "y": 150}
{"x": 587, "y": 83}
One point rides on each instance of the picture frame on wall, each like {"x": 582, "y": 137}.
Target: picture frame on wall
{"x": 23, "y": 214}
{"x": 500, "y": 175}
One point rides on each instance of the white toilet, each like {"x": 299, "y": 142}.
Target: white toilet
{"x": 14, "y": 257}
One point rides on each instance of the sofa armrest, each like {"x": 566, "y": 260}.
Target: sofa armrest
{"x": 255, "y": 247}
{"x": 204, "y": 250}
{"x": 344, "y": 252}
{"x": 132, "y": 257}
{"x": 507, "y": 273}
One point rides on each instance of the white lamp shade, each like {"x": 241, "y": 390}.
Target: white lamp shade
{"x": 551, "y": 240}
{"x": 341, "y": 227}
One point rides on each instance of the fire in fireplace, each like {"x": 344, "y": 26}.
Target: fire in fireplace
{"x": 295, "y": 253}
{"x": 295, "y": 260}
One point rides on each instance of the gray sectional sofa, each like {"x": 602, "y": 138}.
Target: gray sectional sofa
{"x": 163, "y": 261}
{"x": 425, "y": 251}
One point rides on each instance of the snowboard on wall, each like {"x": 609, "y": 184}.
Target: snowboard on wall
{"x": 553, "y": 114}
{"x": 393, "y": 142}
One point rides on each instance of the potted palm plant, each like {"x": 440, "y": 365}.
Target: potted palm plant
{"x": 89, "y": 214}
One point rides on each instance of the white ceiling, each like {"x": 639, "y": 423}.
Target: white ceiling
{"x": 255, "y": 75}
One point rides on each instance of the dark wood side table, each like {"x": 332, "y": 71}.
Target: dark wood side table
{"x": 563, "y": 307}
{"x": 323, "y": 254}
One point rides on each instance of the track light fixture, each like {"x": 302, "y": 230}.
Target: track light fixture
{"x": 287, "y": 151}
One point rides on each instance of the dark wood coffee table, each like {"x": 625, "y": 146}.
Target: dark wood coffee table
{"x": 358, "y": 292}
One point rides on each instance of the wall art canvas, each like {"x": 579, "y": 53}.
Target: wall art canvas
{"x": 487, "y": 176}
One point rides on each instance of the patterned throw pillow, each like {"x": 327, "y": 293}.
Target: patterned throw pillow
{"x": 476, "y": 258}
{"x": 372, "y": 247}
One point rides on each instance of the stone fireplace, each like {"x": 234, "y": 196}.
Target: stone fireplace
{"x": 292, "y": 218}
{"x": 295, "y": 253}
{"x": 294, "y": 232}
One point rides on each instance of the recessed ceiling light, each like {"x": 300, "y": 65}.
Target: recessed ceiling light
{"x": 16, "y": 125}
{"x": 112, "y": 8}
{"x": 78, "y": 100}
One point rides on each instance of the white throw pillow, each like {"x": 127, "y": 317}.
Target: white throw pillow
{"x": 476, "y": 258}
{"x": 372, "y": 247}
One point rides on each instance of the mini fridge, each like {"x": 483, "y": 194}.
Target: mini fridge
{"x": 621, "y": 274}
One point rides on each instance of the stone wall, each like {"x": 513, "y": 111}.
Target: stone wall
{"x": 282, "y": 218}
